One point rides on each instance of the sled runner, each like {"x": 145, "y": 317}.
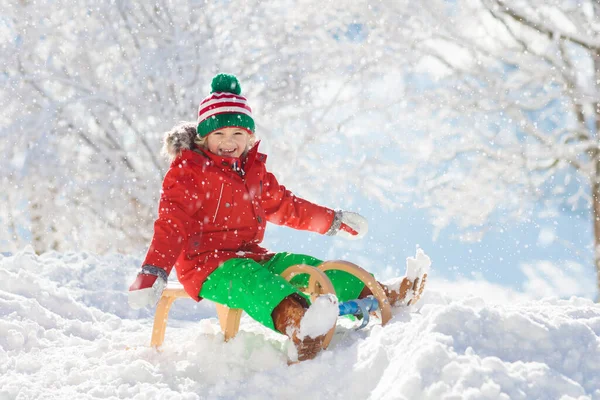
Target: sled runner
{"x": 319, "y": 283}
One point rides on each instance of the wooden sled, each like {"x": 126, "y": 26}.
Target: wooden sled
{"x": 319, "y": 283}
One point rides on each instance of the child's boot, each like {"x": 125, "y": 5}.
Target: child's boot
{"x": 408, "y": 292}
{"x": 410, "y": 289}
{"x": 399, "y": 293}
{"x": 305, "y": 326}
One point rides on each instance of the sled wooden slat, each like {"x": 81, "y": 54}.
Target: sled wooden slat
{"x": 229, "y": 318}
{"x": 319, "y": 283}
{"x": 169, "y": 295}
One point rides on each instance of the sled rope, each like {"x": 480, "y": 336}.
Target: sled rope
{"x": 359, "y": 307}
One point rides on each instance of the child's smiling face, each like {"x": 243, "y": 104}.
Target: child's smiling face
{"x": 228, "y": 142}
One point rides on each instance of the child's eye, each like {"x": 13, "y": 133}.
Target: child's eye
{"x": 238, "y": 133}
{"x": 217, "y": 133}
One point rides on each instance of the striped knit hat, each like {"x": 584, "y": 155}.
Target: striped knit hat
{"x": 224, "y": 107}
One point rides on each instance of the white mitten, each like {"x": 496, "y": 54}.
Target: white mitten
{"x": 147, "y": 287}
{"x": 348, "y": 225}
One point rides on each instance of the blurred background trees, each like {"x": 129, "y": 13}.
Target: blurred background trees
{"x": 88, "y": 91}
{"x": 482, "y": 112}
{"x": 517, "y": 111}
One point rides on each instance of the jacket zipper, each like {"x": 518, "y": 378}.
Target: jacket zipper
{"x": 218, "y": 203}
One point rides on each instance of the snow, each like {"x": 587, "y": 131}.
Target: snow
{"x": 66, "y": 332}
{"x": 417, "y": 266}
{"x": 320, "y": 317}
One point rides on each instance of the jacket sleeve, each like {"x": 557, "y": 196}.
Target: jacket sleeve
{"x": 282, "y": 207}
{"x": 179, "y": 200}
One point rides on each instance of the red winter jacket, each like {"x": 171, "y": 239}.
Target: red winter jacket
{"x": 209, "y": 213}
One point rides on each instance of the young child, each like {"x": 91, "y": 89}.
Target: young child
{"x": 216, "y": 199}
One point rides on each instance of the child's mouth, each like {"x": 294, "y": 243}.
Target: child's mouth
{"x": 227, "y": 152}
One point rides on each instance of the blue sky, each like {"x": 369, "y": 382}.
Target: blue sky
{"x": 394, "y": 235}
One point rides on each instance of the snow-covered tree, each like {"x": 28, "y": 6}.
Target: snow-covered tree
{"x": 514, "y": 89}
{"x": 88, "y": 88}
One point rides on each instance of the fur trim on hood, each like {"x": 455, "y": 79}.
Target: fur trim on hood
{"x": 180, "y": 137}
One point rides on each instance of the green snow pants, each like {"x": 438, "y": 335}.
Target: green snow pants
{"x": 257, "y": 288}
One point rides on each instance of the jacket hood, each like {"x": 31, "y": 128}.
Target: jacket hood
{"x": 180, "y": 137}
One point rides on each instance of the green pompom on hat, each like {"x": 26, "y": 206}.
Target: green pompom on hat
{"x": 224, "y": 107}
{"x": 226, "y": 83}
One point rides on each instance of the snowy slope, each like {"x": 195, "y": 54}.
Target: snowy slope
{"x": 66, "y": 333}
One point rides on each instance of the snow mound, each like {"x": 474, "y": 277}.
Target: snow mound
{"x": 66, "y": 332}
